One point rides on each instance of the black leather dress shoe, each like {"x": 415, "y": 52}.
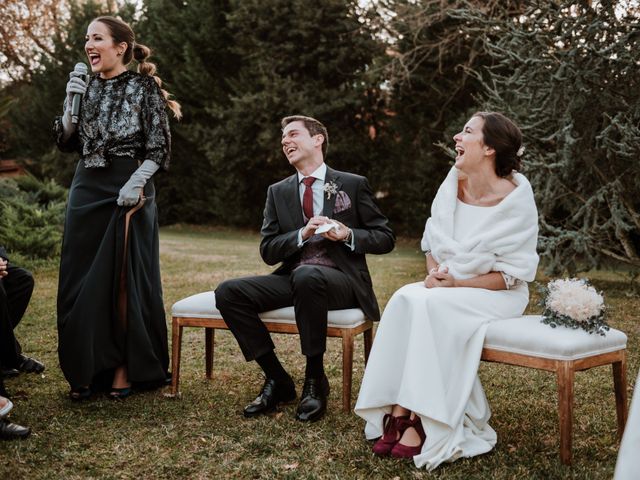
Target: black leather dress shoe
{"x": 313, "y": 402}
{"x": 11, "y": 431}
{"x": 272, "y": 394}
{"x": 7, "y": 372}
{"x": 30, "y": 365}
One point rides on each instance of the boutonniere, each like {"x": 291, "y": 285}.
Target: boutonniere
{"x": 330, "y": 188}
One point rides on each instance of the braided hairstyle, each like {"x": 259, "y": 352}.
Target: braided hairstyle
{"x": 505, "y": 138}
{"x": 122, "y": 32}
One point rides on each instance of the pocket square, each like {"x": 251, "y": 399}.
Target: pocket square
{"x": 343, "y": 202}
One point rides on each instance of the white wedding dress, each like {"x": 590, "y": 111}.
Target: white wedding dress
{"x": 426, "y": 354}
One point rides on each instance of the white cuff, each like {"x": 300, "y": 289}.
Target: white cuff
{"x": 300, "y": 241}
{"x": 352, "y": 241}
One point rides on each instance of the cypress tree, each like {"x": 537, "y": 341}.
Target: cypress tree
{"x": 192, "y": 48}
{"x": 296, "y": 57}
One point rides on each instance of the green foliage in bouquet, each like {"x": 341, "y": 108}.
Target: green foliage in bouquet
{"x": 573, "y": 303}
{"x": 31, "y": 216}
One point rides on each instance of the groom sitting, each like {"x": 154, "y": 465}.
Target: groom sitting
{"x": 319, "y": 271}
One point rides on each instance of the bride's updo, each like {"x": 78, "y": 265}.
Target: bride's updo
{"x": 505, "y": 138}
{"x": 122, "y": 32}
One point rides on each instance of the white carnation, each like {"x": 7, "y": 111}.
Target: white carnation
{"x": 575, "y": 299}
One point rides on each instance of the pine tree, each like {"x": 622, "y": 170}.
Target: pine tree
{"x": 569, "y": 74}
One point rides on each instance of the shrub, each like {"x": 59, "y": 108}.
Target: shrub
{"x": 31, "y": 216}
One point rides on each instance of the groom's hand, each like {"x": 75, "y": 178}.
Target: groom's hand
{"x": 338, "y": 234}
{"x": 313, "y": 223}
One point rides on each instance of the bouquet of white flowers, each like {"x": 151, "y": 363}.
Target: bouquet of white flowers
{"x": 574, "y": 303}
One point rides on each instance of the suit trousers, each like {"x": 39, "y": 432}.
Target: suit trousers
{"x": 313, "y": 290}
{"x": 15, "y": 292}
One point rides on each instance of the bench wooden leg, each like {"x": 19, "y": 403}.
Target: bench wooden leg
{"x": 209, "y": 337}
{"x": 368, "y": 341}
{"x": 565, "y": 374}
{"x": 176, "y": 347}
{"x": 347, "y": 366}
{"x": 620, "y": 388}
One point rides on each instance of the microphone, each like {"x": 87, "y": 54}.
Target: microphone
{"x": 80, "y": 68}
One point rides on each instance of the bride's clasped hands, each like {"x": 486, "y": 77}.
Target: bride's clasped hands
{"x": 436, "y": 278}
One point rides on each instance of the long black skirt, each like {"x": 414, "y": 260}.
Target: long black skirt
{"x": 93, "y": 336}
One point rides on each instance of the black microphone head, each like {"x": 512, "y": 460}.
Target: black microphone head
{"x": 81, "y": 68}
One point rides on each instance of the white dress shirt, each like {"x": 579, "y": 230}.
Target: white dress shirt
{"x": 317, "y": 187}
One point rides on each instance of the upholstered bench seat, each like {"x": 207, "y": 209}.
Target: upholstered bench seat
{"x": 527, "y": 335}
{"x": 203, "y": 305}
{"x": 200, "y": 310}
{"x": 525, "y": 341}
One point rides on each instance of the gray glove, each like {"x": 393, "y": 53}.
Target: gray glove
{"x": 131, "y": 191}
{"x": 74, "y": 85}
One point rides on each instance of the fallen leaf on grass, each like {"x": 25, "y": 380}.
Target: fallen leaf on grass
{"x": 291, "y": 466}
{"x": 20, "y": 395}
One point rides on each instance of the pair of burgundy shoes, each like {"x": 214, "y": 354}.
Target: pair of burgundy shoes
{"x": 394, "y": 427}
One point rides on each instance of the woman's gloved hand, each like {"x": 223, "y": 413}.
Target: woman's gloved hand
{"x": 132, "y": 190}
{"x": 76, "y": 84}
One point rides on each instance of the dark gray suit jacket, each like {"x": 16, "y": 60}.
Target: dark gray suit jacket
{"x": 283, "y": 218}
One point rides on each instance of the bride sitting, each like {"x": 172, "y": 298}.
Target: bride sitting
{"x": 421, "y": 393}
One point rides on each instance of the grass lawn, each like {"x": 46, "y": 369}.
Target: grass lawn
{"x": 203, "y": 434}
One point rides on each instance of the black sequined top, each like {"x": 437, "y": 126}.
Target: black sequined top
{"x": 123, "y": 116}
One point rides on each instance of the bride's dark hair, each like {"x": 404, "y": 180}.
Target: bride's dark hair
{"x": 505, "y": 138}
{"x": 122, "y": 32}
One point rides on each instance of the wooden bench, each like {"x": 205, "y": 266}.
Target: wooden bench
{"x": 522, "y": 341}
{"x": 200, "y": 311}
{"x": 526, "y": 342}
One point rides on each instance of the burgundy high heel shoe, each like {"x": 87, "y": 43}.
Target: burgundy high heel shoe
{"x": 403, "y": 451}
{"x": 393, "y": 429}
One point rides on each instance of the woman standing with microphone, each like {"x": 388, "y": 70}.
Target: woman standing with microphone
{"x": 111, "y": 324}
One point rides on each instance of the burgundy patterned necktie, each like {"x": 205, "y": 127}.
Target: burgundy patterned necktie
{"x": 307, "y": 197}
